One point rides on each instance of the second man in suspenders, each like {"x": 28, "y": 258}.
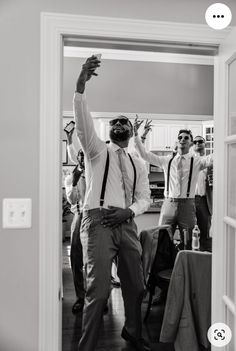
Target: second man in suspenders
{"x": 117, "y": 190}
{"x": 181, "y": 172}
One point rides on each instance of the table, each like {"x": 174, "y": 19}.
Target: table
{"x": 187, "y": 315}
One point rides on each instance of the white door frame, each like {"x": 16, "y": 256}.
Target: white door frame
{"x": 221, "y": 220}
{"x": 53, "y": 28}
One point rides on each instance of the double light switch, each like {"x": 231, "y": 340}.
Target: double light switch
{"x": 17, "y": 213}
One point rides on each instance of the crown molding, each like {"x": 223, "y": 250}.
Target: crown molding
{"x": 154, "y": 116}
{"x": 136, "y": 28}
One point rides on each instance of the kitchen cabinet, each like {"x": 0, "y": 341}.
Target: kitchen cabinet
{"x": 164, "y": 134}
{"x": 196, "y": 129}
{"x": 158, "y": 138}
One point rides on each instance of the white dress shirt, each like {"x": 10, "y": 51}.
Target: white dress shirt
{"x": 75, "y": 194}
{"x": 201, "y": 183}
{"x": 95, "y": 151}
{"x": 72, "y": 153}
{"x": 199, "y": 163}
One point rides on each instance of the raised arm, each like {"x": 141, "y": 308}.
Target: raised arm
{"x": 142, "y": 200}
{"x": 147, "y": 129}
{"x": 147, "y": 155}
{"x": 71, "y": 182}
{"x": 72, "y": 153}
{"x": 85, "y": 130}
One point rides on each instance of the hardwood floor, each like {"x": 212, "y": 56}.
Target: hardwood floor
{"x": 110, "y": 339}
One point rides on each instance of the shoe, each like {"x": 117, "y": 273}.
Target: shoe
{"x": 114, "y": 282}
{"x": 78, "y": 305}
{"x": 139, "y": 344}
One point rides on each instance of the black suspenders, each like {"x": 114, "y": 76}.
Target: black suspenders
{"x": 189, "y": 178}
{"x": 104, "y": 182}
{"x": 135, "y": 176}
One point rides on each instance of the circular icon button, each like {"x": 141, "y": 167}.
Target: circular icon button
{"x": 219, "y": 334}
{"x": 218, "y": 16}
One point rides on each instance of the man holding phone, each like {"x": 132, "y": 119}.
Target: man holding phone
{"x": 75, "y": 192}
{"x": 117, "y": 190}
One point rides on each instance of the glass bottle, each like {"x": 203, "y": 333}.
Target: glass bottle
{"x": 196, "y": 238}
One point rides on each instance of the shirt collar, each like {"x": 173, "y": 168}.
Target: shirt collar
{"x": 114, "y": 147}
{"x": 185, "y": 156}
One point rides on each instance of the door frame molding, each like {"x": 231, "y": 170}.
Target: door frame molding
{"x": 221, "y": 220}
{"x": 54, "y": 27}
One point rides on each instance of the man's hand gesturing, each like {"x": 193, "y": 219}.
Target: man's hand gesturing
{"x": 88, "y": 70}
{"x": 115, "y": 216}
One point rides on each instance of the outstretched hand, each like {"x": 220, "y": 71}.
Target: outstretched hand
{"x": 148, "y": 126}
{"x": 136, "y": 125}
{"x": 88, "y": 70}
{"x": 69, "y": 135}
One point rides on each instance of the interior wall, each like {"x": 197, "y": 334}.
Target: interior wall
{"x": 19, "y": 141}
{"x": 143, "y": 87}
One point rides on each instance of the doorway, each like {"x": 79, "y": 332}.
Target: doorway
{"x": 54, "y": 29}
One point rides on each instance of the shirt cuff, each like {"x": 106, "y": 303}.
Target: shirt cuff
{"x": 79, "y": 97}
{"x": 132, "y": 208}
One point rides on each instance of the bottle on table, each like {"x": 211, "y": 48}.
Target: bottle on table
{"x": 196, "y": 238}
{"x": 186, "y": 238}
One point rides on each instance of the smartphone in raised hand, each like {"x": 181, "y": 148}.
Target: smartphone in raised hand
{"x": 68, "y": 128}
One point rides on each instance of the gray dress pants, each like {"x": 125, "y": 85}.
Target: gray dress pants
{"x": 181, "y": 212}
{"x": 100, "y": 246}
{"x": 76, "y": 257}
{"x": 203, "y": 218}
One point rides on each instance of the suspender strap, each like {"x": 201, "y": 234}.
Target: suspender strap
{"x": 190, "y": 176}
{"x": 168, "y": 176}
{"x": 135, "y": 176}
{"x": 104, "y": 182}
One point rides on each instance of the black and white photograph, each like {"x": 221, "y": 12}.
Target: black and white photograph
{"x": 118, "y": 194}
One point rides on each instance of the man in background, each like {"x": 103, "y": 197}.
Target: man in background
{"x": 72, "y": 153}
{"x": 203, "y": 195}
{"x": 75, "y": 191}
{"x": 181, "y": 172}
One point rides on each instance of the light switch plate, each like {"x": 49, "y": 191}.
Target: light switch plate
{"x": 17, "y": 213}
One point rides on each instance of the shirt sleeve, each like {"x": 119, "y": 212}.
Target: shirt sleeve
{"x": 147, "y": 155}
{"x": 142, "y": 198}
{"x": 206, "y": 161}
{"x": 90, "y": 142}
{"x": 72, "y": 194}
{"x": 72, "y": 153}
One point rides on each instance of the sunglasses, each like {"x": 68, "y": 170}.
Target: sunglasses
{"x": 183, "y": 137}
{"x": 198, "y": 141}
{"x": 122, "y": 121}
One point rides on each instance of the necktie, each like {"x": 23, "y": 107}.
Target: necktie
{"x": 127, "y": 185}
{"x": 178, "y": 186}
